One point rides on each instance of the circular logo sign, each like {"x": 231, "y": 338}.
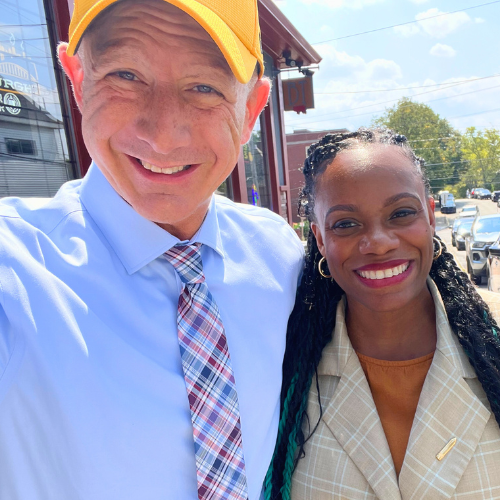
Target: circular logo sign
{"x": 12, "y": 100}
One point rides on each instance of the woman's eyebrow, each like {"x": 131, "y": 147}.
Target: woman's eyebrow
{"x": 341, "y": 208}
{"x": 400, "y": 196}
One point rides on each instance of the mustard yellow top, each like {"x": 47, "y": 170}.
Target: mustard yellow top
{"x": 396, "y": 388}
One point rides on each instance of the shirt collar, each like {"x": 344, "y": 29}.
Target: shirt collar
{"x": 136, "y": 240}
{"x": 337, "y": 352}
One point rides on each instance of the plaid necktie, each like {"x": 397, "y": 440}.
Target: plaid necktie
{"x": 209, "y": 381}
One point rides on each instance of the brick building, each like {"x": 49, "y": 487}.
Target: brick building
{"x": 297, "y": 144}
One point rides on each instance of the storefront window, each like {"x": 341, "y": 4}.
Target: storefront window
{"x": 225, "y": 189}
{"x": 257, "y": 168}
{"x": 34, "y": 159}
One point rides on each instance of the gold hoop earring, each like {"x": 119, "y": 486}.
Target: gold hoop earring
{"x": 320, "y": 263}
{"x": 439, "y": 250}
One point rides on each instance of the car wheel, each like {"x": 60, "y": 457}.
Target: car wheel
{"x": 460, "y": 247}
{"x": 475, "y": 279}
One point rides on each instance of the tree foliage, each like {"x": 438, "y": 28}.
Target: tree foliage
{"x": 432, "y": 138}
{"x": 481, "y": 150}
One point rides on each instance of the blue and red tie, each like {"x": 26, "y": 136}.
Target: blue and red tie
{"x": 209, "y": 381}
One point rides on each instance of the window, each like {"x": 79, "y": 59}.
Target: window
{"x": 34, "y": 152}
{"x": 257, "y": 168}
{"x": 20, "y": 146}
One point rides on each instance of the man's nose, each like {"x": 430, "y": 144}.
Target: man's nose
{"x": 378, "y": 240}
{"x": 164, "y": 121}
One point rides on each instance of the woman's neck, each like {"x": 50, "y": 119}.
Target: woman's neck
{"x": 402, "y": 334}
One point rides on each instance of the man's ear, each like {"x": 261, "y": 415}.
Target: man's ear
{"x": 73, "y": 68}
{"x": 319, "y": 238}
{"x": 256, "y": 101}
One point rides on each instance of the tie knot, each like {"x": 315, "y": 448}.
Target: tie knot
{"x": 186, "y": 260}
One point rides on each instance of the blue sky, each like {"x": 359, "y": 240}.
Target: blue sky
{"x": 447, "y": 49}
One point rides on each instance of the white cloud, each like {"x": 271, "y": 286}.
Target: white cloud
{"x": 407, "y": 30}
{"x": 437, "y": 27}
{"x": 479, "y": 20}
{"x": 441, "y": 50}
{"x": 344, "y": 73}
{"x": 341, "y": 101}
{"x": 337, "y": 4}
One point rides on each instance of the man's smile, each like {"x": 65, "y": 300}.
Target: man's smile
{"x": 163, "y": 170}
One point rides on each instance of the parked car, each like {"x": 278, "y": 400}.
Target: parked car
{"x": 454, "y": 229}
{"x": 469, "y": 211}
{"x": 495, "y": 196}
{"x": 482, "y": 194}
{"x": 493, "y": 267}
{"x": 462, "y": 232}
{"x": 447, "y": 203}
{"x": 484, "y": 232}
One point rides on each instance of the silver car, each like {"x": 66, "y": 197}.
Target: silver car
{"x": 484, "y": 232}
{"x": 462, "y": 232}
{"x": 469, "y": 211}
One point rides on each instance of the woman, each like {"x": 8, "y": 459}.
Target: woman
{"x": 403, "y": 400}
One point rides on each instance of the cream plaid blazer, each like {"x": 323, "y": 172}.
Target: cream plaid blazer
{"x": 348, "y": 456}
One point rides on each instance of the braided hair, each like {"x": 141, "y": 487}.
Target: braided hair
{"x": 312, "y": 320}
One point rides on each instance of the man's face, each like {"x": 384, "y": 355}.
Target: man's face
{"x": 162, "y": 114}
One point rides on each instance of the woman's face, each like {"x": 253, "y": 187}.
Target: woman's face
{"x": 374, "y": 224}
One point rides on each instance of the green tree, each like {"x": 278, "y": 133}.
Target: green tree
{"x": 482, "y": 150}
{"x": 432, "y": 138}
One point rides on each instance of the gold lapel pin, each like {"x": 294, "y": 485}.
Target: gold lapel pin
{"x": 447, "y": 447}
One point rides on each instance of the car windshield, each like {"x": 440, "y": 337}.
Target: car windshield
{"x": 468, "y": 210}
{"x": 465, "y": 227}
{"x": 488, "y": 225}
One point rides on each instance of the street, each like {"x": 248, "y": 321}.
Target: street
{"x": 445, "y": 221}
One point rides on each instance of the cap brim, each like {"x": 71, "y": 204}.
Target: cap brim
{"x": 241, "y": 61}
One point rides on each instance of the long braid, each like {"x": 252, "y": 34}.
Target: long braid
{"x": 313, "y": 318}
{"x": 471, "y": 320}
{"x": 315, "y": 311}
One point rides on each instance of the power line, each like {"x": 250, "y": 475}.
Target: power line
{"x": 461, "y": 161}
{"x": 409, "y": 88}
{"x": 474, "y": 114}
{"x": 397, "y": 99}
{"x": 382, "y": 110}
{"x": 408, "y": 22}
{"x": 432, "y": 139}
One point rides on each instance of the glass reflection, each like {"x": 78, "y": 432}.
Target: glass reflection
{"x": 34, "y": 158}
{"x": 257, "y": 169}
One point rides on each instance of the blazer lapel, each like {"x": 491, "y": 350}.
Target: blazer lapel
{"x": 447, "y": 409}
{"x": 352, "y": 417}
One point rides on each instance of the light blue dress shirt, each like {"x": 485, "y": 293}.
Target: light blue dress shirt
{"x": 93, "y": 403}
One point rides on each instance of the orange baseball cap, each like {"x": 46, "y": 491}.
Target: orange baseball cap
{"x": 233, "y": 25}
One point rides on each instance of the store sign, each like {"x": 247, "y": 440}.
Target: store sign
{"x": 10, "y": 103}
{"x": 298, "y": 94}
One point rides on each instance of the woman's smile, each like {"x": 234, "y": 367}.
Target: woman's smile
{"x": 384, "y": 274}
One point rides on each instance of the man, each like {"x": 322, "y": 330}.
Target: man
{"x": 142, "y": 318}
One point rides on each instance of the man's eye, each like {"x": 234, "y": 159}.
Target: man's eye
{"x": 126, "y": 75}
{"x": 205, "y": 89}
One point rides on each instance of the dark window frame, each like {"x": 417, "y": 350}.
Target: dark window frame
{"x": 24, "y": 146}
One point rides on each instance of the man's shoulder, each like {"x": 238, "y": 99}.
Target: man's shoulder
{"x": 21, "y": 216}
{"x": 250, "y": 213}
{"x": 253, "y": 221}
